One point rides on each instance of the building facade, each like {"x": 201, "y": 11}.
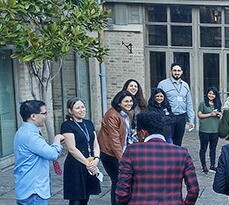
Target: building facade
{"x": 144, "y": 38}
{"x": 192, "y": 33}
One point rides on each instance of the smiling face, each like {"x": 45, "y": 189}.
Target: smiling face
{"x": 176, "y": 72}
{"x": 132, "y": 88}
{"x": 159, "y": 98}
{"x": 211, "y": 95}
{"x": 126, "y": 103}
{"x": 78, "y": 111}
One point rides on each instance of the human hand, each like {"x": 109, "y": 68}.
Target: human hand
{"x": 58, "y": 138}
{"x": 219, "y": 115}
{"x": 214, "y": 113}
{"x": 92, "y": 169}
{"x": 92, "y": 165}
{"x": 191, "y": 125}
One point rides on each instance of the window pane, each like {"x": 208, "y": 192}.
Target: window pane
{"x": 227, "y": 37}
{"x": 227, "y": 15}
{"x": 227, "y": 74}
{"x": 157, "y": 13}
{"x": 181, "y": 14}
{"x": 181, "y": 35}
{"x": 210, "y": 36}
{"x": 211, "y": 70}
{"x": 157, "y": 68}
{"x": 210, "y": 15}
{"x": 7, "y": 104}
{"x": 184, "y": 60}
{"x": 157, "y": 35}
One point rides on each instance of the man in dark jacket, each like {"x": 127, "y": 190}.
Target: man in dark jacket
{"x": 151, "y": 172}
{"x": 221, "y": 180}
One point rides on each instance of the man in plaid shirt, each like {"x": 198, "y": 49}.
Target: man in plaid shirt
{"x": 152, "y": 172}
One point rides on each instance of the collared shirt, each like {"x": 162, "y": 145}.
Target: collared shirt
{"x": 179, "y": 96}
{"x": 32, "y": 155}
{"x": 127, "y": 121}
{"x": 158, "y": 136}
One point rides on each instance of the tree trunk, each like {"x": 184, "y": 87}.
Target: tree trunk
{"x": 46, "y": 90}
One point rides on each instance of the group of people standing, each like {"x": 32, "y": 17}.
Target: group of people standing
{"x": 135, "y": 168}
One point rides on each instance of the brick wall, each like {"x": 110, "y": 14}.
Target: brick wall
{"x": 122, "y": 65}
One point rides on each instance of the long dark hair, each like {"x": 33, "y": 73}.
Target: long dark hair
{"x": 216, "y": 101}
{"x": 119, "y": 97}
{"x": 141, "y": 102}
{"x": 152, "y": 102}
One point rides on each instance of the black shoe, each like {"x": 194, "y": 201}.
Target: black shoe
{"x": 205, "y": 170}
{"x": 212, "y": 169}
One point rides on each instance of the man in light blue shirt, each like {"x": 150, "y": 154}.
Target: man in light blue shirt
{"x": 32, "y": 155}
{"x": 180, "y": 99}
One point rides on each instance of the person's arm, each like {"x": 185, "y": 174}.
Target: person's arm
{"x": 220, "y": 184}
{"x": 207, "y": 115}
{"x": 189, "y": 109}
{"x": 96, "y": 151}
{"x": 125, "y": 178}
{"x": 58, "y": 139}
{"x": 113, "y": 127}
{"x": 223, "y": 125}
{"x": 191, "y": 182}
{"x": 39, "y": 146}
{"x": 71, "y": 146}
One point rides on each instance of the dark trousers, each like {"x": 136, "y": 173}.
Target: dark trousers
{"x": 178, "y": 129}
{"x": 212, "y": 140}
{"x": 111, "y": 165}
{"x": 78, "y": 202}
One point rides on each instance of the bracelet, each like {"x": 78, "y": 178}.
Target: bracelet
{"x": 96, "y": 157}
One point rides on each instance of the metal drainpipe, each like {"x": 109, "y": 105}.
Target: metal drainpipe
{"x": 103, "y": 75}
{"x": 103, "y": 87}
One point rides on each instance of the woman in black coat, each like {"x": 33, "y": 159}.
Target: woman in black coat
{"x": 159, "y": 103}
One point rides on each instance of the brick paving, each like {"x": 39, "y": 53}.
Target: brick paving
{"x": 207, "y": 195}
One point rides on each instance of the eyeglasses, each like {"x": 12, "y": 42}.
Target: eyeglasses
{"x": 43, "y": 113}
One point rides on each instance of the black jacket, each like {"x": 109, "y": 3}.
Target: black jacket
{"x": 221, "y": 180}
{"x": 168, "y": 118}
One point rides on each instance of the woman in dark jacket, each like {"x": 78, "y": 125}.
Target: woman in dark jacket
{"x": 159, "y": 103}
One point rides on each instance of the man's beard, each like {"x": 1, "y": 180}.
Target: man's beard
{"x": 176, "y": 77}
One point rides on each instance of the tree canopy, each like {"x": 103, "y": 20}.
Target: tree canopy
{"x": 44, "y": 29}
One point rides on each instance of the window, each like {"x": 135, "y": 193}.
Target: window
{"x": 7, "y": 104}
{"x": 181, "y": 14}
{"x": 173, "y": 30}
{"x": 210, "y": 15}
{"x": 157, "y": 68}
{"x": 157, "y": 35}
{"x": 210, "y": 36}
{"x": 157, "y": 13}
{"x": 181, "y": 35}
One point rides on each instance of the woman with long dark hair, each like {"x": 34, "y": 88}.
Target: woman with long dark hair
{"x": 209, "y": 113}
{"x": 158, "y": 102}
{"x": 114, "y": 135}
{"x": 135, "y": 89}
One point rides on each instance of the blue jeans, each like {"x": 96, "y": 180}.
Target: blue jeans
{"x": 34, "y": 199}
{"x": 111, "y": 165}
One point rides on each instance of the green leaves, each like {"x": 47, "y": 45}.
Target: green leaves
{"x": 43, "y": 29}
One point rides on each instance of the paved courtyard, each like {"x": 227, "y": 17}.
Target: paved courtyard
{"x": 207, "y": 195}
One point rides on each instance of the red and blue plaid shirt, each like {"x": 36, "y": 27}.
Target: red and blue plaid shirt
{"x": 152, "y": 173}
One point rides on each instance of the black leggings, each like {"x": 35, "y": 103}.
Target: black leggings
{"x": 78, "y": 202}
